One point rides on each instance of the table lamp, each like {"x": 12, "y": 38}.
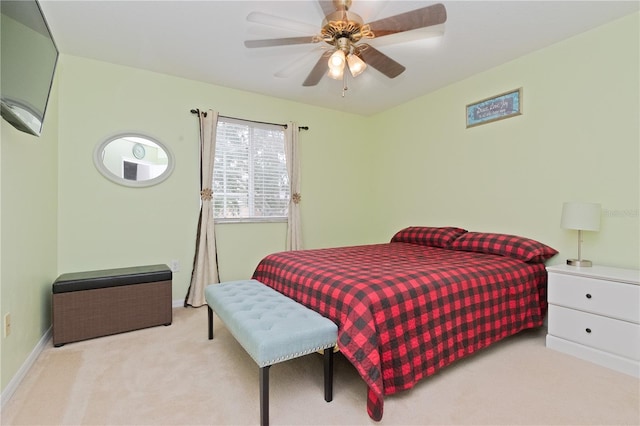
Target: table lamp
{"x": 582, "y": 217}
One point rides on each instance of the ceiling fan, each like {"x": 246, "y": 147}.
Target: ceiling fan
{"x": 345, "y": 32}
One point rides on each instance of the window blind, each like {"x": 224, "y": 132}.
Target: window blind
{"x": 250, "y": 179}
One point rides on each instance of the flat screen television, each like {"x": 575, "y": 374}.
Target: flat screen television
{"x": 28, "y": 63}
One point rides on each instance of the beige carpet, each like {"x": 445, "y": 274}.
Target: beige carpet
{"x": 175, "y": 376}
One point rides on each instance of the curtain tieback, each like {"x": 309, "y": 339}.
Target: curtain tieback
{"x": 296, "y": 198}
{"x": 206, "y": 194}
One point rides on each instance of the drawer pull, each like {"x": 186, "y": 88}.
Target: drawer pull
{"x": 588, "y": 296}
{"x": 588, "y": 330}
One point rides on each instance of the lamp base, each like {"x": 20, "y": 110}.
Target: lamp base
{"x": 579, "y": 262}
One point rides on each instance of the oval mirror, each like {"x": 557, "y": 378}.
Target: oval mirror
{"x": 133, "y": 160}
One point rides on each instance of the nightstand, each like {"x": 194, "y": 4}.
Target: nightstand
{"x": 594, "y": 314}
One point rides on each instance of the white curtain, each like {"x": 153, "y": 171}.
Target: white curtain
{"x": 205, "y": 266}
{"x": 294, "y": 228}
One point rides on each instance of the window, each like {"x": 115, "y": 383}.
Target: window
{"x": 250, "y": 180}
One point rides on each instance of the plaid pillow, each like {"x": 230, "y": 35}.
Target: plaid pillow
{"x": 521, "y": 248}
{"x": 428, "y": 236}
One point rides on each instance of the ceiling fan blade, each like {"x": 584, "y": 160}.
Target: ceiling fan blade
{"x": 369, "y": 10}
{"x": 430, "y": 33}
{"x": 419, "y": 18}
{"x": 280, "y": 22}
{"x": 318, "y": 71}
{"x": 298, "y": 63}
{"x": 270, "y": 42}
{"x": 328, "y": 6}
{"x": 380, "y": 61}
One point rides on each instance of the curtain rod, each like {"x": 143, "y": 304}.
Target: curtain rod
{"x": 197, "y": 111}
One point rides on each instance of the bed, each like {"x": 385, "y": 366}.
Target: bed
{"x": 407, "y": 308}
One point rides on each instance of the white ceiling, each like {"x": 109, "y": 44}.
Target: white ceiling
{"x": 203, "y": 41}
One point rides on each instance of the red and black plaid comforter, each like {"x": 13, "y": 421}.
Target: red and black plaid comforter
{"x": 404, "y": 310}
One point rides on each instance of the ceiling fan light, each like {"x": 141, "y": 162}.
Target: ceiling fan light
{"x": 356, "y": 65}
{"x": 337, "y": 60}
{"x": 336, "y": 73}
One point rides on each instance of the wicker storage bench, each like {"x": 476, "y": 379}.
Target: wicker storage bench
{"x": 99, "y": 303}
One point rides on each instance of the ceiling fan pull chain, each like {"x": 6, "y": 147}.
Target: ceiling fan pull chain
{"x": 344, "y": 84}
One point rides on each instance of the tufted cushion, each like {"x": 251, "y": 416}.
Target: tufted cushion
{"x": 270, "y": 326}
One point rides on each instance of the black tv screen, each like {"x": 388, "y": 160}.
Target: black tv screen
{"x": 29, "y": 58}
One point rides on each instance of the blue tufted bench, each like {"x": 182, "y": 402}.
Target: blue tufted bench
{"x": 272, "y": 328}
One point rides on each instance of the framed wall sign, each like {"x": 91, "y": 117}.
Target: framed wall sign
{"x": 495, "y": 108}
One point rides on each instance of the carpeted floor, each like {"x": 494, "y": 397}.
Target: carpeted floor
{"x": 175, "y": 376}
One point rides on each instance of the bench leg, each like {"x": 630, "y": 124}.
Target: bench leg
{"x": 210, "y": 322}
{"x": 264, "y": 396}
{"x": 328, "y": 374}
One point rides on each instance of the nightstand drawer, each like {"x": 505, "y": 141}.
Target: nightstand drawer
{"x": 614, "y": 336}
{"x": 613, "y": 299}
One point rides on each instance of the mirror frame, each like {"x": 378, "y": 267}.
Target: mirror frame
{"x": 97, "y": 161}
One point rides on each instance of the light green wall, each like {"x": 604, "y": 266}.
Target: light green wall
{"x": 363, "y": 177}
{"x": 28, "y": 236}
{"x": 104, "y": 225}
{"x": 577, "y": 140}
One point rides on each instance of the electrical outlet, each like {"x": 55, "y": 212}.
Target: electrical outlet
{"x": 175, "y": 266}
{"x": 7, "y": 325}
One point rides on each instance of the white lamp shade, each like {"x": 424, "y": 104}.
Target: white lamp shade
{"x": 337, "y": 59}
{"x": 356, "y": 65}
{"x": 336, "y": 65}
{"x": 581, "y": 216}
{"x": 336, "y": 73}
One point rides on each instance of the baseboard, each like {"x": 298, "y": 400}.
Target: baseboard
{"x": 11, "y": 388}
